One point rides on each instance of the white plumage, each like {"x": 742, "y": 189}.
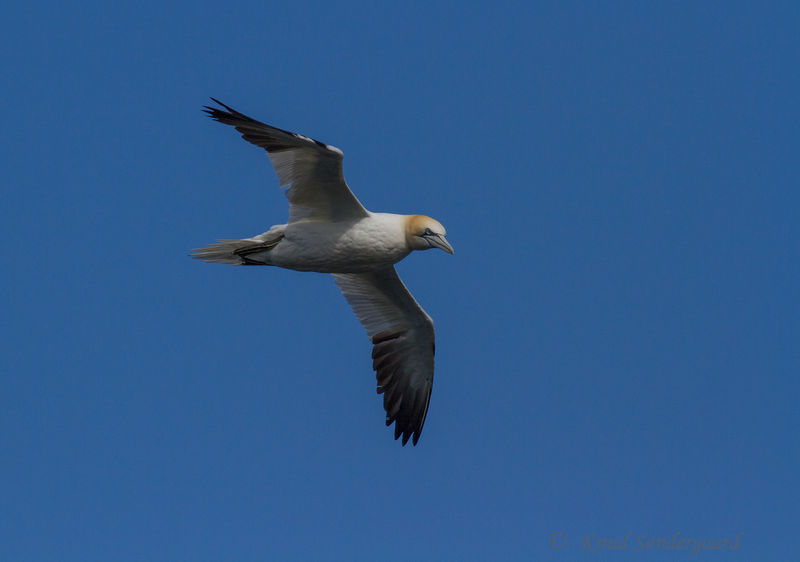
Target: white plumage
{"x": 329, "y": 231}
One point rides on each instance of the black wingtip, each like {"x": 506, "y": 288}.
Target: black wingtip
{"x": 216, "y": 112}
{"x": 215, "y": 100}
{"x": 230, "y": 116}
{"x": 410, "y": 435}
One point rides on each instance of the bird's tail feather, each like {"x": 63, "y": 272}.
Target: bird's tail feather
{"x": 238, "y": 252}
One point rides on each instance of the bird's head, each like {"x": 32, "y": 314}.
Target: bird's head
{"x": 424, "y": 233}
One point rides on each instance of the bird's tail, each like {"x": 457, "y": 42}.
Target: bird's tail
{"x": 247, "y": 251}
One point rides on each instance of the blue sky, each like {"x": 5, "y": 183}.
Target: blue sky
{"x": 616, "y": 334}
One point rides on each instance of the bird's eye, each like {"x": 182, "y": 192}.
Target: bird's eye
{"x": 427, "y": 232}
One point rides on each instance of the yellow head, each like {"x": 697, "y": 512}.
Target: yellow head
{"x": 424, "y": 233}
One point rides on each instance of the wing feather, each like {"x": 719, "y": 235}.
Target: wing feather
{"x": 311, "y": 168}
{"x": 402, "y": 335}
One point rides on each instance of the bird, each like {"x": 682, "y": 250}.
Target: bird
{"x": 330, "y": 231}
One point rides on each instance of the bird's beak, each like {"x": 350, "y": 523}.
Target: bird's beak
{"x": 441, "y": 242}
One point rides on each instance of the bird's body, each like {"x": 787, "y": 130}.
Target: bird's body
{"x": 352, "y": 246}
{"x": 329, "y": 231}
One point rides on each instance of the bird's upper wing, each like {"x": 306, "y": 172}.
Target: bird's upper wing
{"x": 312, "y": 168}
{"x": 403, "y": 338}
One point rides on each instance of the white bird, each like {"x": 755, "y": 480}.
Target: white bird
{"x": 329, "y": 231}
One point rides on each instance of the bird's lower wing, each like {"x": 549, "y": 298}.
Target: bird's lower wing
{"x": 403, "y": 338}
{"x": 313, "y": 169}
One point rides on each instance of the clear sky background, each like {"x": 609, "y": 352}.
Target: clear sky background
{"x": 617, "y": 333}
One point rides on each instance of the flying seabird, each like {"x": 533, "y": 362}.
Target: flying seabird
{"x": 329, "y": 231}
